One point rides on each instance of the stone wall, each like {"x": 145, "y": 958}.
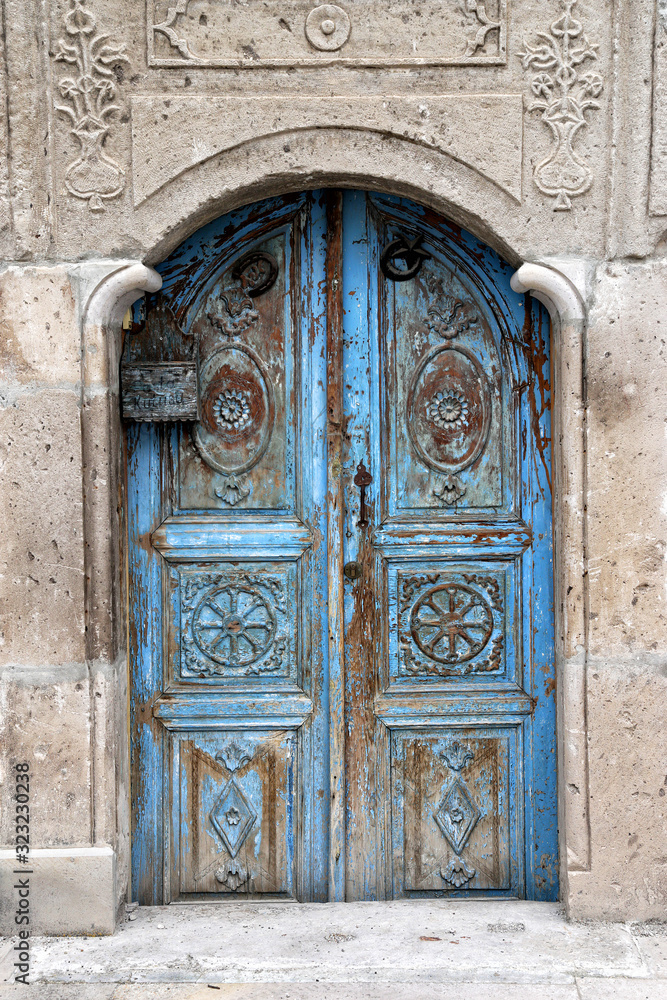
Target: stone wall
{"x": 177, "y": 118}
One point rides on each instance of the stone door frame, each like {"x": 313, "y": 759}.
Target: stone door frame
{"x": 106, "y": 290}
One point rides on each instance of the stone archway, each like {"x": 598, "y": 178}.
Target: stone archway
{"x": 109, "y": 288}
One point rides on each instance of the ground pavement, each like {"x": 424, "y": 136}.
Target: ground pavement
{"x": 435, "y": 950}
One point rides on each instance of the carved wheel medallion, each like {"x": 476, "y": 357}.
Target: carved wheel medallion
{"x": 234, "y": 625}
{"x": 451, "y": 623}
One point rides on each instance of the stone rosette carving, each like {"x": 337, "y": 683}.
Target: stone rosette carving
{"x": 90, "y": 93}
{"x": 564, "y": 93}
{"x": 328, "y": 27}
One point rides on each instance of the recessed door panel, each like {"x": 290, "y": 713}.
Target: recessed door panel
{"x": 453, "y": 623}
{"x": 235, "y": 797}
{"x": 455, "y": 811}
{"x": 445, "y": 403}
{"x": 241, "y": 454}
{"x": 235, "y": 623}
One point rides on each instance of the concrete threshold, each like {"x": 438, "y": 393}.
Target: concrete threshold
{"x": 394, "y": 951}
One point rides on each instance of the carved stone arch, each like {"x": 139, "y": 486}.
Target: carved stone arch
{"x": 309, "y": 159}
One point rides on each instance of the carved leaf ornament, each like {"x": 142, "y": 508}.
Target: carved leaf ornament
{"x": 90, "y": 93}
{"x": 477, "y": 9}
{"x": 563, "y": 95}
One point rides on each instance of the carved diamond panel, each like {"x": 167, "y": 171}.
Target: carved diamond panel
{"x": 235, "y": 812}
{"x": 451, "y": 621}
{"x": 457, "y": 816}
{"x": 235, "y": 621}
{"x": 458, "y": 819}
{"x": 232, "y": 817}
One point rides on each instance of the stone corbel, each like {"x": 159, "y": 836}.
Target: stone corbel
{"x": 568, "y": 317}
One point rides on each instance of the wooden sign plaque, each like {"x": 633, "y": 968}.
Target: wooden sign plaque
{"x": 159, "y": 392}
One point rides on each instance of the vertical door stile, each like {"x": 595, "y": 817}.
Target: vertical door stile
{"x": 145, "y": 509}
{"x": 313, "y": 818}
{"x": 334, "y": 286}
{"x": 362, "y": 645}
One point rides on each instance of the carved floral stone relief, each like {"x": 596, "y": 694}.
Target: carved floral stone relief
{"x": 564, "y": 92}
{"x": 88, "y": 93}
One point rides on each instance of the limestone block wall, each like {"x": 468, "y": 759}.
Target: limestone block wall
{"x": 113, "y": 149}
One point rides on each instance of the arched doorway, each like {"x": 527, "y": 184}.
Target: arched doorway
{"x": 340, "y": 570}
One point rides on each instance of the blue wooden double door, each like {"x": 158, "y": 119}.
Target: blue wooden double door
{"x": 340, "y": 575}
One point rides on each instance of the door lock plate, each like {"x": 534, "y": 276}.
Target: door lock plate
{"x": 352, "y": 570}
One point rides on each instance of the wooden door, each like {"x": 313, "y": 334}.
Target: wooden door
{"x": 323, "y": 709}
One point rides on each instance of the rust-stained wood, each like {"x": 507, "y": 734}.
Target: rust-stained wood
{"x": 363, "y": 602}
{"x": 335, "y": 502}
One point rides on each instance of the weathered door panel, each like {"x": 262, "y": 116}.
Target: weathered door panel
{"x": 337, "y": 694}
{"x": 233, "y": 812}
{"x": 244, "y": 450}
{"x": 230, "y": 558}
{"x": 447, "y": 405}
{"x": 449, "y": 414}
{"x": 457, "y": 815}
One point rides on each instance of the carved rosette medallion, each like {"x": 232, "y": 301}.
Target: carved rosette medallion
{"x": 328, "y": 27}
{"x": 237, "y": 410}
{"x": 449, "y": 410}
{"x": 448, "y": 626}
{"x": 451, "y": 623}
